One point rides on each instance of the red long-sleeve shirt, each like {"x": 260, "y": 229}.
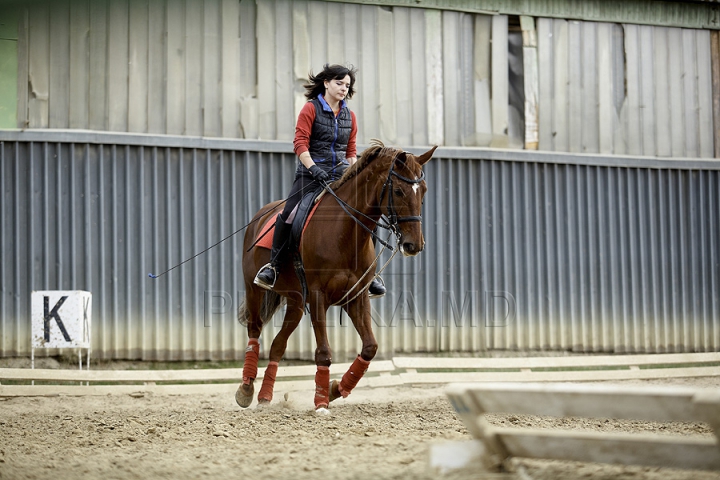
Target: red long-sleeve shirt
{"x": 303, "y": 129}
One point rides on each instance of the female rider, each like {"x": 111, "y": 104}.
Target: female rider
{"x": 325, "y": 144}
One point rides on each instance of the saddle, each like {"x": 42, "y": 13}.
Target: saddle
{"x": 304, "y": 211}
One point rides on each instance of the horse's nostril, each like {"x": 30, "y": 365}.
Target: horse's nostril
{"x": 409, "y": 247}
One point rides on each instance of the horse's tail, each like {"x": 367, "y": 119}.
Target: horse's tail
{"x": 271, "y": 302}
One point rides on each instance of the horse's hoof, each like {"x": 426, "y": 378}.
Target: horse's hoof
{"x": 322, "y": 411}
{"x": 262, "y": 404}
{"x": 244, "y": 395}
{"x": 335, "y": 390}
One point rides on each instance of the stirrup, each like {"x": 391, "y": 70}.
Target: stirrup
{"x": 263, "y": 284}
{"x": 382, "y": 290}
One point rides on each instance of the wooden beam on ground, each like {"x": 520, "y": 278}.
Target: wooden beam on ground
{"x": 558, "y": 376}
{"x": 191, "y": 389}
{"x": 556, "y": 362}
{"x": 649, "y": 403}
{"x": 197, "y": 375}
{"x": 625, "y": 449}
{"x": 473, "y": 401}
{"x": 103, "y": 390}
{"x": 123, "y": 375}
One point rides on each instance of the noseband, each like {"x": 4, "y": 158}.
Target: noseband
{"x": 393, "y": 218}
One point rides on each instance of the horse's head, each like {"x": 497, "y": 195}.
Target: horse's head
{"x": 402, "y": 197}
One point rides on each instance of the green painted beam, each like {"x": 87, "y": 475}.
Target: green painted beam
{"x": 8, "y": 66}
{"x": 686, "y": 14}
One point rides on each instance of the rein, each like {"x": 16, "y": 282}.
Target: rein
{"x": 346, "y": 207}
{"x": 392, "y": 225}
{"x": 393, "y": 219}
{"x": 342, "y": 302}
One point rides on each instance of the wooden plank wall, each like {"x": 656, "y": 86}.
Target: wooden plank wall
{"x": 715, "y": 52}
{"x": 9, "y": 29}
{"x": 223, "y": 68}
{"x": 147, "y": 66}
{"x": 625, "y": 89}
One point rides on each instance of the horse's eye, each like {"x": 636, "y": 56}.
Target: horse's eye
{"x": 399, "y": 193}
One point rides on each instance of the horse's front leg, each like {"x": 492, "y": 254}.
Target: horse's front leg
{"x": 323, "y": 355}
{"x": 359, "y": 312}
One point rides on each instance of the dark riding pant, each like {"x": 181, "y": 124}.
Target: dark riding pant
{"x": 303, "y": 184}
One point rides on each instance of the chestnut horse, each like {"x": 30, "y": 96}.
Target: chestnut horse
{"x": 339, "y": 259}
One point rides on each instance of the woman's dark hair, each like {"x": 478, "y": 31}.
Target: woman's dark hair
{"x": 316, "y": 86}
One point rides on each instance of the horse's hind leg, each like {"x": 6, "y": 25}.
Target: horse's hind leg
{"x": 293, "y": 315}
{"x": 246, "y": 391}
{"x": 359, "y": 312}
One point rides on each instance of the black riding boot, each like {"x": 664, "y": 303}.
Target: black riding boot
{"x": 377, "y": 286}
{"x": 267, "y": 275}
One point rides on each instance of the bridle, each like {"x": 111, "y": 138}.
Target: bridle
{"x": 394, "y": 220}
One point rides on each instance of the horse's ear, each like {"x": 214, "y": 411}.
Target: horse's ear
{"x": 423, "y": 159}
{"x": 401, "y": 157}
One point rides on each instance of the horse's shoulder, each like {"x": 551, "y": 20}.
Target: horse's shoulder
{"x": 267, "y": 208}
{"x": 261, "y": 216}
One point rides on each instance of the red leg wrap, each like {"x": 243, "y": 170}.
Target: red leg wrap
{"x": 266, "y": 391}
{"x": 353, "y": 376}
{"x": 322, "y": 387}
{"x": 252, "y": 353}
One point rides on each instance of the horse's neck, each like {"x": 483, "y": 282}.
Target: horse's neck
{"x": 362, "y": 194}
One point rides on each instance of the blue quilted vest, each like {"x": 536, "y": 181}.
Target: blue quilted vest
{"x": 329, "y": 137}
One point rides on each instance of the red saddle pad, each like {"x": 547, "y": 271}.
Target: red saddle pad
{"x": 265, "y": 235}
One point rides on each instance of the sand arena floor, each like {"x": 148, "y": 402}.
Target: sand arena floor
{"x": 381, "y": 433}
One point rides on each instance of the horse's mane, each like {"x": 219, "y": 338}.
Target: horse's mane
{"x": 376, "y": 149}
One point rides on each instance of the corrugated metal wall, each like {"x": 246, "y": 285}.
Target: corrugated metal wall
{"x": 220, "y": 68}
{"x": 524, "y": 250}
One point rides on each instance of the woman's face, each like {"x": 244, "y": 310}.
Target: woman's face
{"x": 335, "y": 90}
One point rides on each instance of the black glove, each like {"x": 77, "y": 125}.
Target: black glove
{"x": 319, "y": 174}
